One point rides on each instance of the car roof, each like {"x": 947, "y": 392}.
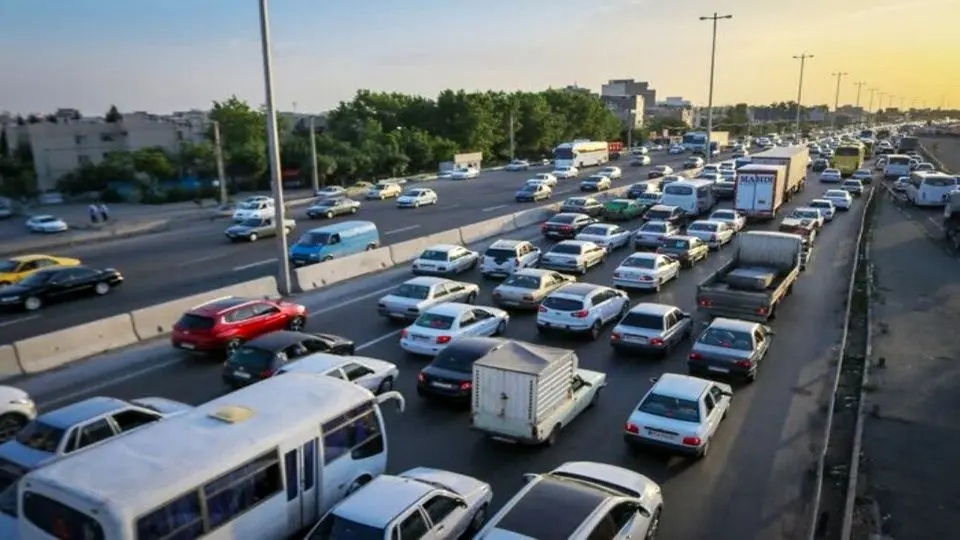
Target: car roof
{"x": 71, "y": 415}
{"x": 569, "y": 214}
{"x": 30, "y": 257}
{"x": 642, "y": 255}
{"x": 735, "y": 325}
{"x": 685, "y": 237}
{"x": 426, "y": 281}
{"x": 819, "y": 200}
{"x": 710, "y": 221}
{"x": 345, "y": 226}
{"x": 553, "y": 507}
{"x": 578, "y": 289}
{"x": 534, "y": 272}
{"x": 602, "y": 225}
{"x": 442, "y": 247}
{"x": 382, "y": 499}
{"x": 580, "y": 243}
{"x": 680, "y": 386}
{"x": 449, "y": 309}
{"x": 220, "y": 305}
{"x": 506, "y": 244}
{"x": 666, "y": 207}
{"x": 277, "y": 340}
{"x": 652, "y": 308}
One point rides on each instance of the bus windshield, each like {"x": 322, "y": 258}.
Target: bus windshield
{"x": 674, "y": 189}
{"x": 847, "y": 151}
{"x": 564, "y": 153}
{"x": 898, "y": 160}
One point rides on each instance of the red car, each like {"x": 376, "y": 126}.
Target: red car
{"x": 223, "y": 325}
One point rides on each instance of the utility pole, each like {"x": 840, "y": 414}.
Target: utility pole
{"x": 836, "y": 99}
{"x": 314, "y": 171}
{"x": 713, "y": 64}
{"x": 803, "y": 61}
{"x": 273, "y": 154}
{"x": 513, "y": 144}
{"x": 218, "y": 153}
{"x": 859, "y": 86}
{"x": 880, "y": 106}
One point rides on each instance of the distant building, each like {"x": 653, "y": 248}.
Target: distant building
{"x": 682, "y": 114}
{"x": 629, "y": 109}
{"x": 578, "y": 89}
{"x": 630, "y": 87}
{"x": 675, "y": 101}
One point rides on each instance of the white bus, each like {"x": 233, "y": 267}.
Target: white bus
{"x": 263, "y": 462}
{"x": 929, "y": 188}
{"x": 581, "y": 154}
{"x": 897, "y": 165}
{"x": 694, "y": 196}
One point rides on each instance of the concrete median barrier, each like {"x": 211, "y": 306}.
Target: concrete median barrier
{"x": 50, "y": 351}
{"x": 9, "y": 363}
{"x": 534, "y": 216}
{"x": 330, "y": 272}
{"x": 154, "y": 321}
{"x": 405, "y": 252}
{"x": 487, "y": 229}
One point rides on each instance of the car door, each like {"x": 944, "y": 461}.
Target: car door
{"x": 267, "y": 317}
{"x": 712, "y": 415}
{"x": 603, "y": 305}
{"x": 413, "y": 526}
{"x": 266, "y": 227}
{"x": 361, "y": 375}
{"x": 459, "y": 258}
{"x": 486, "y": 322}
{"x": 722, "y": 401}
{"x": 468, "y": 325}
{"x": 673, "y": 332}
{"x": 455, "y": 292}
{"x": 66, "y": 283}
{"x": 448, "y": 516}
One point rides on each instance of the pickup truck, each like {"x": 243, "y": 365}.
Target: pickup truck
{"x": 807, "y": 228}
{"x": 527, "y": 393}
{"x": 253, "y": 229}
{"x": 752, "y": 284}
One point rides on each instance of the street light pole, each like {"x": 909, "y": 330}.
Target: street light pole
{"x": 218, "y": 154}
{"x": 836, "y": 99}
{"x": 880, "y": 105}
{"x": 803, "y": 61}
{"x": 314, "y": 170}
{"x": 713, "y": 64}
{"x": 859, "y": 86}
{"x": 273, "y": 153}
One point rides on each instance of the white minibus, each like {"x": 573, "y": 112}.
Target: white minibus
{"x": 897, "y": 165}
{"x": 264, "y": 462}
{"x": 694, "y": 196}
{"x": 929, "y": 188}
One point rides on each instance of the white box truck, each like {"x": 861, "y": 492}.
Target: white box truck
{"x": 758, "y": 193}
{"x": 795, "y": 159}
{"x": 527, "y": 393}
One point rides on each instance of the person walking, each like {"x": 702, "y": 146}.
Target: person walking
{"x": 94, "y": 214}
{"x": 104, "y": 213}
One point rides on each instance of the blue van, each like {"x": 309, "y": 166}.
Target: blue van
{"x": 334, "y": 241}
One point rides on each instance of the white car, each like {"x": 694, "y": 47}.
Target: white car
{"x": 566, "y": 172}
{"x": 16, "y": 411}
{"x": 676, "y": 150}
{"x": 423, "y": 503}
{"x": 648, "y": 271}
{"x": 595, "y": 182}
{"x": 715, "y": 234}
{"x": 377, "y": 376}
{"x": 640, "y": 151}
{"x": 660, "y": 171}
{"x": 612, "y": 172}
{"x": 465, "y": 174}
{"x": 581, "y": 308}
{"x": 805, "y": 213}
{"x": 864, "y": 175}
{"x": 605, "y": 235}
{"x": 384, "y": 191}
{"x": 260, "y": 208}
{"x": 926, "y": 167}
{"x": 901, "y": 184}
{"x": 445, "y": 323}
{"x": 840, "y": 198}
{"x": 550, "y": 182}
{"x": 711, "y": 168}
{"x": 550, "y": 179}
{"x": 640, "y": 161}
{"x": 880, "y": 164}
{"x": 417, "y": 197}
{"x": 505, "y": 257}
{"x": 825, "y": 207}
{"x": 517, "y": 165}
{"x": 831, "y": 175}
{"x": 414, "y": 296}
{"x": 651, "y": 234}
{"x": 46, "y": 224}
{"x": 331, "y": 191}
{"x": 852, "y": 186}
{"x": 680, "y": 413}
{"x": 735, "y": 219}
{"x": 573, "y": 256}
{"x": 445, "y": 259}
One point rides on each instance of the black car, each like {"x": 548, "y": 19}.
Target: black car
{"x": 450, "y": 375}
{"x": 638, "y": 189}
{"x": 261, "y": 357}
{"x": 820, "y": 165}
{"x": 662, "y": 212}
{"x": 582, "y": 205}
{"x": 566, "y": 225}
{"x": 57, "y": 285}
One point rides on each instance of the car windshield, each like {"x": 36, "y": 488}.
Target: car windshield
{"x": 334, "y": 527}
{"x": 412, "y": 193}
{"x": 434, "y": 255}
{"x": 562, "y": 220}
{"x": 434, "y": 321}
{"x": 250, "y": 223}
{"x": 457, "y": 360}
{"x": 40, "y": 436}
{"x": 409, "y": 290}
{"x": 522, "y": 282}
{"x": 648, "y": 263}
{"x": 592, "y": 179}
{"x": 658, "y": 214}
{"x": 595, "y": 230}
{"x": 851, "y": 183}
{"x": 654, "y": 227}
{"x": 728, "y": 339}
{"x": 314, "y": 239}
{"x": 37, "y": 278}
{"x": 326, "y": 202}
{"x": 563, "y": 304}
{"x": 190, "y": 321}
{"x": 700, "y": 226}
{"x": 643, "y": 320}
{"x": 566, "y": 249}
{"x": 249, "y": 205}
{"x": 684, "y": 410}
{"x": 530, "y": 187}
{"x": 252, "y": 358}
{"x": 676, "y": 243}
{"x": 9, "y": 266}
{"x": 575, "y": 202}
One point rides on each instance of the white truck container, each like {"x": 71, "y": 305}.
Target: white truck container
{"x": 527, "y": 393}
{"x": 759, "y": 190}
{"x": 795, "y": 159}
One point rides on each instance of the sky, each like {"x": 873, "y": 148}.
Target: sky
{"x": 167, "y": 55}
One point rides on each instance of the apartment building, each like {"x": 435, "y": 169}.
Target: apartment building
{"x": 630, "y": 87}
{"x": 629, "y": 109}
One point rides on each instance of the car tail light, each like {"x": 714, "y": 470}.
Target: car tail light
{"x": 421, "y": 377}
{"x": 656, "y": 342}
{"x": 443, "y": 339}
{"x": 744, "y": 364}
{"x": 631, "y": 428}
{"x": 527, "y": 297}
{"x": 762, "y": 311}
{"x": 267, "y": 373}
{"x": 704, "y": 302}
{"x": 616, "y": 336}
{"x": 544, "y": 227}
{"x": 566, "y": 228}
{"x": 695, "y": 356}
{"x": 692, "y": 441}
{"x": 542, "y": 309}
{"x": 466, "y": 385}
{"x": 404, "y": 333}
{"x": 582, "y": 314}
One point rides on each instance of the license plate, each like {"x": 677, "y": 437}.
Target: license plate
{"x": 396, "y": 316}
{"x": 190, "y": 346}
{"x": 447, "y": 386}
{"x": 241, "y": 375}
{"x": 420, "y": 338}
{"x": 637, "y": 339}
{"x": 658, "y": 435}
{"x": 718, "y": 369}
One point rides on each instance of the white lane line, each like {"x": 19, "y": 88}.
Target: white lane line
{"x": 353, "y": 300}
{"x": 253, "y": 265}
{"x": 113, "y": 381}
{"x": 373, "y": 342}
{"x": 492, "y": 208}
{"x": 19, "y": 320}
{"x": 451, "y": 207}
{"x": 201, "y": 259}
{"x": 402, "y": 229}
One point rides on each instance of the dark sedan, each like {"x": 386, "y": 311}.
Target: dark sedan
{"x": 820, "y": 165}
{"x": 332, "y": 207}
{"x": 450, "y": 375}
{"x": 58, "y": 285}
{"x": 566, "y": 225}
{"x": 261, "y": 357}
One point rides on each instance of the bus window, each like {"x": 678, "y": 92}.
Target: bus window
{"x": 242, "y": 489}
{"x": 59, "y": 520}
{"x": 180, "y": 518}
{"x": 357, "y": 432}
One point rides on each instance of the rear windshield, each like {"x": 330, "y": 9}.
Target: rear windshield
{"x": 437, "y": 322}
{"x": 522, "y": 282}
{"x": 566, "y": 249}
{"x": 562, "y": 219}
{"x": 650, "y": 197}
{"x": 821, "y": 204}
{"x": 639, "y": 262}
{"x": 658, "y": 214}
{"x": 575, "y": 202}
{"x": 684, "y": 410}
{"x": 596, "y": 231}
{"x": 676, "y": 243}
{"x": 252, "y": 358}
{"x": 653, "y": 227}
{"x": 500, "y": 253}
{"x": 728, "y": 339}
{"x": 416, "y": 292}
{"x": 898, "y": 160}
{"x": 563, "y": 304}
{"x": 196, "y": 322}
{"x": 454, "y": 359}
{"x": 433, "y": 255}
{"x": 643, "y": 320}
{"x": 702, "y": 227}
{"x": 40, "y": 436}
{"x": 674, "y": 189}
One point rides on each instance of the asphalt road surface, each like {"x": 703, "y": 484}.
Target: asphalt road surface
{"x": 753, "y": 485}
{"x": 187, "y": 261}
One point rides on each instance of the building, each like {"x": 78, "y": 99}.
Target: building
{"x": 767, "y": 115}
{"x": 676, "y": 101}
{"x": 630, "y": 109}
{"x": 681, "y": 114}
{"x": 68, "y": 141}
{"x": 630, "y": 87}
{"x": 578, "y": 89}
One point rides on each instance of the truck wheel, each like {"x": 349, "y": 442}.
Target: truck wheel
{"x": 554, "y": 435}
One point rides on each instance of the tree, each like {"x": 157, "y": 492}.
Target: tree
{"x": 198, "y": 159}
{"x": 154, "y": 163}
{"x": 243, "y": 137}
{"x": 113, "y": 116}
{"x": 326, "y": 166}
{"x": 4, "y": 144}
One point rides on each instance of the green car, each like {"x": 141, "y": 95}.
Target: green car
{"x": 621, "y": 210}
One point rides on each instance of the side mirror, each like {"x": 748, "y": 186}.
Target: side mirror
{"x": 529, "y": 477}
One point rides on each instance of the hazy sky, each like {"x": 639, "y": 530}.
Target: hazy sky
{"x": 164, "y": 55}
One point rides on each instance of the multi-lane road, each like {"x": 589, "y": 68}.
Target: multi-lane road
{"x": 755, "y": 483}
{"x": 192, "y": 260}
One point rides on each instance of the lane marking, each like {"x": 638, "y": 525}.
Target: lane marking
{"x": 492, "y": 208}
{"x": 373, "y": 342}
{"x": 401, "y": 229}
{"x": 451, "y": 207}
{"x": 253, "y": 265}
{"x": 202, "y": 259}
{"x": 112, "y": 381}
{"x": 353, "y": 300}
{"x": 19, "y": 320}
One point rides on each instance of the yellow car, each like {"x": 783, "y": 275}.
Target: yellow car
{"x": 14, "y": 269}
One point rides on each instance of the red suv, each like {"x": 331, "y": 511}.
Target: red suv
{"x": 222, "y": 325}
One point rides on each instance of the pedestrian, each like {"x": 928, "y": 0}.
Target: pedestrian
{"x": 104, "y": 213}
{"x": 94, "y": 214}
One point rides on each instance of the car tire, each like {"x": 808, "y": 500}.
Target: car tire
{"x": 32, "y": 303}
{"x": 553, "y": 437}
{"x": 101, "y": 288}
{"x": 501, "y": 328}
{"x": 328, "y": 215}
{"x": 654, "y": 526}
{"x": 594, "y": 332}
{"x": 231, "y": 346}
{"x": 354, "y": 210}
{"x": 252, "y": 238}
{"x": 385, "y": 386}
{"x": 297, "y": 323}
{"x": 471, "y": 298}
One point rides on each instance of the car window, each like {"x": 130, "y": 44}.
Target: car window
{"x": 709, "y": 403}
{"x": 355, "y": 371}
{"x": 133, "y": 418}
{"x": 240, "y": 314}
{"x": 605, "y": 529}
{"x": 439, "y": 507}
{"x": 261, "y": 309}
{"x": 717, "y": 393}
{"x": 413, "y": 526}
{"x": 94, "y": 432}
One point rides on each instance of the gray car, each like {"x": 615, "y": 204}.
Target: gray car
{"x": 415, "y": 295}
{"x": 526, "y": 288}
{"x": 651, "y": 328}
{"x": 332, "y": 207}
{"x": 730, "y": 347}
{"x": 254, "y": 228}
{"x": 651, "y": 234}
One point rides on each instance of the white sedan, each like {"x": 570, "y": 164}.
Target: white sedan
{"x": 46, "y": 224}
{"x": 735, "y": 219}
{"x": 645, "y": 271}
{"x": 825, "y": 207}
{"x": 605, "y": 235}
{"x": 676, "y": 150}
{"x": 550, "y": 179}
{"x": 465, "y": 174}
{"x": 864, "y": 175}
{"x": 611, "y": 172}
{"x": 831, "y": 175}
{"x": 715, "y": 234}
{"x": 566, "y": 172}
{"x": 445, "y": 259}
{"x": 377, "y": 376}
{"x": 443, "y": 324}
{"x": 640, "y": 161}
{"x": 517, "y": 165}
{"x": 415, "y": 198}
{"x": 840, "y": 198}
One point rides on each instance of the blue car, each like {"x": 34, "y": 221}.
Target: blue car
{"x": 334, "y": 241}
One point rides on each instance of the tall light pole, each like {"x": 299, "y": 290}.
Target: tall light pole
{"x": 880, "y": 105}
{"x": 273, "y": 153}
{"x": 713, "y": 64}
{"x": 803, "y": 62}
{"x": 314, "y": 168}
{"x": 836, "y": 99}
{"x": 859, "y": 86}
{"x": 902, "y": 100}
{"x": 218, "y": 154}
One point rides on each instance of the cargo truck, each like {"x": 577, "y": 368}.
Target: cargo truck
{"x": 750, "y": 286}
{"x": 758, "y": 193}
{"x": 696, "y": 141}
{"x": 527, "y": 393}
{"x": 908, "y": 144}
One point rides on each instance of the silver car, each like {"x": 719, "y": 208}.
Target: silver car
{"x": 525, "y": 289}
{"x": 576, "y": 255}
{"x": 715, "y": 234}
{"x": 651, "y": 328}
{"x": 332, "y": 207}
{"x": 415, "y": 295}
{"x": 730, "y": 347}
{"x": 377, "y": 376}
{"x": 652, "y": 233}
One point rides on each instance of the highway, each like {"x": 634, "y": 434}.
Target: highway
{"x": 753, "y": 485}
{"x": 187, "y": 261}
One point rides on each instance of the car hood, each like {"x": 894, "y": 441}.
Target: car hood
{"x": 238, "y": 229}
{"x": 463, "y": 485}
